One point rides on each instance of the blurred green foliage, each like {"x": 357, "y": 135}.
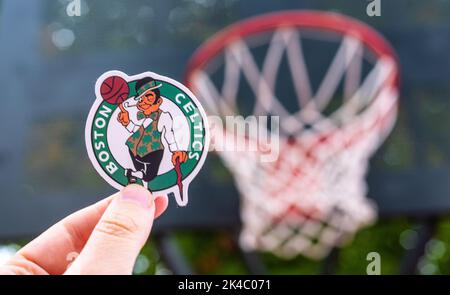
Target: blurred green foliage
{"x": 215, "y": 253}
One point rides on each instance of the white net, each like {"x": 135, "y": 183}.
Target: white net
{"x": 313, "y": 196}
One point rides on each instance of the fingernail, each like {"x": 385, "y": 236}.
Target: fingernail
{"x": 137, "y": 194}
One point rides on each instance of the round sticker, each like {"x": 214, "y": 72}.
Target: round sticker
{"x": 146, "y": 129}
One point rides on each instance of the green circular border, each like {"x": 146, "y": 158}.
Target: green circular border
{"x": 168, "y": 179}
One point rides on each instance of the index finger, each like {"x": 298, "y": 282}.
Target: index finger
{"x": 48, "y": 252}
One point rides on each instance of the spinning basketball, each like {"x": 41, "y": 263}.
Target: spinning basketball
{"x": 114, "y": 90}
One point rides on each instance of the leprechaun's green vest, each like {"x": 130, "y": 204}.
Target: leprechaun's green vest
{"x": 145, "y": 141}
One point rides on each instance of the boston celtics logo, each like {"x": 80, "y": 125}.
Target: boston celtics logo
{"x": 146, "y": 129}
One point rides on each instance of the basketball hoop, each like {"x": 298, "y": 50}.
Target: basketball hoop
{"x": 313, "y": 197}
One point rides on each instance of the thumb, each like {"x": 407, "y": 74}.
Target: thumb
{"x": 119, "y": 236}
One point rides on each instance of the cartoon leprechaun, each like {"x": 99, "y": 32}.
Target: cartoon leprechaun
{"x": 148, "y": 129}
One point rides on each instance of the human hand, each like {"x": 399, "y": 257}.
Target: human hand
{"x": 108, "y": 235}
{"x": 181, "y": 156}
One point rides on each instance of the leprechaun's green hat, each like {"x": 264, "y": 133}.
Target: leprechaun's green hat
{"x": 146, "y": 84}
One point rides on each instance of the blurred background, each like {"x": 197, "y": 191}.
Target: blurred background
{"x": 49, "y": 62}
